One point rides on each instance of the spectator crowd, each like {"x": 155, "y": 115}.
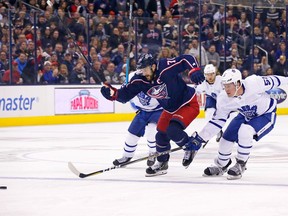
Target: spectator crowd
{"x": 86, "y": 41}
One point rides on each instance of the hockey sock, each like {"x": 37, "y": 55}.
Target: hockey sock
{"x": 150, "y": 133}
{"x": 130, "y": 145}
{"x": 162, "y": 144}
{"x": 176, "y": 133}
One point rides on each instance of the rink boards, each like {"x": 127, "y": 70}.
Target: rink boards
{"x": 45, "y": 105}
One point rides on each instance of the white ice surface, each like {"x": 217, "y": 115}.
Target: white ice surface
{"x": 33, "y": 165}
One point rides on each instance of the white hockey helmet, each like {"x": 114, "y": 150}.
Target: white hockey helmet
{"x": 209, "y": 68}
{"x": 231, "y": 76}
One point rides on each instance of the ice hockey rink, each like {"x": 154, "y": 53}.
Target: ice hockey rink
{"x": 33, "y": 165}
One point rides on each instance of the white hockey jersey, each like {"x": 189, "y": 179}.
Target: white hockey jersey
{"x": 144, "y": 102}
{"x": 212, "y": 90}
{"x": 252, "y": 103}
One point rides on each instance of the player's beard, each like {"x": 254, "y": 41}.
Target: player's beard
{"x": 149, "y": 77}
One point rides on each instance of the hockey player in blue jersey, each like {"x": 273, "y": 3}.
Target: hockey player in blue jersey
{"x": 256, "y": 118}
{"x": 212, "y": 88}
{"x": 162, "y": 80}
{"x": 145, "y": 122}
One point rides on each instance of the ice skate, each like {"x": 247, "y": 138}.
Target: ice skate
{"x": 151, "y": 160}
{"x": 217, "y": 170}
{"x": 219, "y": 135}
{"x": 236, "y": 171}
{"x": 160, "y": 168}
{"x": 188, "y": 158}
{"x": 121, "y": 161}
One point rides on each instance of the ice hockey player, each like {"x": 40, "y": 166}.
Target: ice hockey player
{"x": 212, "y": 88}
{"x": 161, "y": 80}
{"x": 145, "y": 122}
{"x": 256, "y": 118}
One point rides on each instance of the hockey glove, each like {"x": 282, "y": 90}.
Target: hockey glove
{"x": 195, "y": 142}
{"x": 196, "y": 76}
{"x": 109, "y": 92}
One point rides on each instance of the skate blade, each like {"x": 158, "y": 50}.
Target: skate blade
{"x": 231, "y": 177}
{"x": 186, "y": 167}
{"x": 163, "y": 172}
{"x": 219, "y": 175}
{"x": 122, "y": 166}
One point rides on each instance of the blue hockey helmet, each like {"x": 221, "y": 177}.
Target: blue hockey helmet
{"x": 145, "y": 60}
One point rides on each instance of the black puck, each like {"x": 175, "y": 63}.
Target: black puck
{"x": 3, "y": 187}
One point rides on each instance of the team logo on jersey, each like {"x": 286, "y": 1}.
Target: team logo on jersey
{"x": 249, "y": 112}
{"x": 144, "y": 99}
{"x": 213, "y": 95}
{"x": 158, "y": 92}
{"x": 279, "y": 94}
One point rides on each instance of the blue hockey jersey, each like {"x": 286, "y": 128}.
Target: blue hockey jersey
{"x": 167, "y": 87}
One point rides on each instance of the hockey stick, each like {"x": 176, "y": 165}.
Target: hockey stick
{"x": 83, "y": 175}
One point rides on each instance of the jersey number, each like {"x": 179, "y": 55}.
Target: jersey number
{"x": 266, "y": 81}
{"x": 169, "y": 62}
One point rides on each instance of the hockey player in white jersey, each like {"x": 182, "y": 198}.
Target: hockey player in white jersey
{"x": 256, "y": 118}
{"x": 145, "y": 122}
{"x": 212, "y": 88}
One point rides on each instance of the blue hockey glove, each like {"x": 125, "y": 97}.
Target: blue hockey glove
{"x": 196, "y": 76}
{"x": 195, "y": 142}
{"x": 107, "y": 93}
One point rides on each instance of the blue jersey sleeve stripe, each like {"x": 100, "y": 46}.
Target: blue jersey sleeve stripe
{"x": 272, "y": 103}
{"x": 279, "y": 82}
{"x": 272, "y": 82}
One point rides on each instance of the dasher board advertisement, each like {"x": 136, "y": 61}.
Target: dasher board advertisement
{"x": 81, "y": 101}
{"x": 25, "y": 101}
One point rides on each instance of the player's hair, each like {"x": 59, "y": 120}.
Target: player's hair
{"x": 145, "y": 60}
